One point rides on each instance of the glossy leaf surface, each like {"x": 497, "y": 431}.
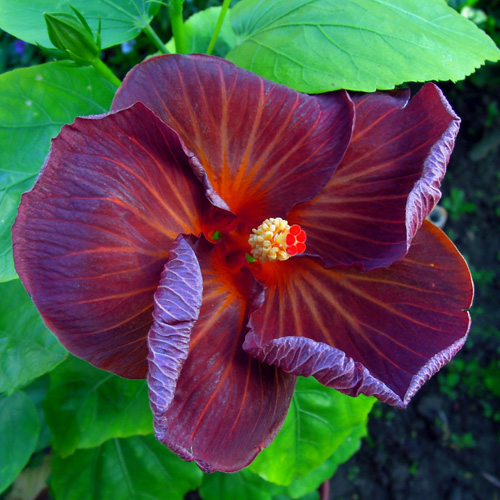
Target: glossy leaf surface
{"x": 387, "y": 183}
{"x": 120, "y": 20}
{"x": 321, "y": 45}
{"x": 86, "y": 406}
{"x": 383, "y": 332}
{"x": 27, "y": 348}
{"x": 227, "y": 406}
{"x": 34, "y": 104}
{"x": 19, "y": 429}
{"x": 124, "y": 469}
{"x": 319, "y": 420}
{"x": 263, "y": 147}
{"x": 93, "y": 235}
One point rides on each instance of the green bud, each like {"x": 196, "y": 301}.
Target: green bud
{"x": 73, "y": 36}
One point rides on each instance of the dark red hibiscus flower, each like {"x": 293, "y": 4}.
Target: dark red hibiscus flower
{"x": 134, "y": 245}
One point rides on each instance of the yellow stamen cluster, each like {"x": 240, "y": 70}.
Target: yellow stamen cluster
{"x": 268, "y": 241}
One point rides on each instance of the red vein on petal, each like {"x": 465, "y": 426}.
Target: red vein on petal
{"x": 113, "y": 199}
{"x": 383, "y": 305}
{"x": 360, "y": 173}
{"x": 295, "y": 308}
{"x": 207, "y": 103}
{"x": 272, "y": 145}
{"x": 174, "y": 189}
{"x": 156, "y": 195}
{"x": 110, "y": 297}
{"x": 116, "y": 273}
{"x": 225, "y": 173}
{"x": 142, "y": 311}
{"x": 397, "y": 283}
{"x": 354, "y": 323}
{"x": 261, "y": 399}
{"x": 394, "y": 341}
{"x": 359, "y": 134}
{"x": 318, "y": 212}
{"x": 224, "y": 376}
{"x": 243, "y": 171}
{"x": 244, "y": 397}
{"x": 194, "y": 122}
{"x": 74, "y": 222}
{"x": 355, "y": 236}
{"x": 264, "y": 179}
{"x": 206, "y": 325}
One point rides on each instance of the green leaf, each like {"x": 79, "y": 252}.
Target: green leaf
{"x": 199, "y": 29}
{"x": 34, "y": 104}
{"x": 86, "y": 406}
{"x": 27, "y": 348}
{"x": 312, "y": 481}
{"x": 121, "y": 20}
{"x": 321, "y": 45}
{"x": 124, "y": 469}
{"x": 243, "y": 485}
{"x": 37, "y": 391}
{"x": 313, "y": 495}
{"x": 320, "y": 419}
{"x": 19, "y": 428}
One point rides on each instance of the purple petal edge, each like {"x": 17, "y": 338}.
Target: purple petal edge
{"x": 177, "y": 303}
{"x": 426, "y": 193}
{"x": 332, "y": 368}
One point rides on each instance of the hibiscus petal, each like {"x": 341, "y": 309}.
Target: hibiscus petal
{"x": 263, "y": 146}
{"x": 92, "y": 236}
{"x": 387, "y": 183}
{"x": 382, "y": 332}
{"x": 227, "y": 406}
{"x": 177, "y": 307}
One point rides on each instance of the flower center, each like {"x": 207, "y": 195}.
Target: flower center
{"x": 274, "y": 240}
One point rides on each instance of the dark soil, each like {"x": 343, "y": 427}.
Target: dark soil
{"x": 446, "y": 445}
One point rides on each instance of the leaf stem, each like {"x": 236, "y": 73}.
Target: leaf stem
{"x": 324, "y": 490}
{"x": 178, "y": 26}
{"x": 220, "y": 20}
{"x": 106, "y": 72}
{"x": 151, "y": 34}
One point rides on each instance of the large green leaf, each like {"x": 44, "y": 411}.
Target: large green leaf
{"x": 121, "y": 20}
{"x": 34, "y": 104}
{"x": 124, "y": 469}
{"x": 243, "y": 485}
{"x": 19, "y": 428}
{"x": 199, "y": 29}
{"x": 37, "y": 391}
{"x": 320, "y": 419}
{"x": 27, "y": 348}
{"x": 322, "y": 45}
{"x": 86, "y": 406}
{"x": 299, "y": 487}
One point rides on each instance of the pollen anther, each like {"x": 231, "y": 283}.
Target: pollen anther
{"x": 275, "y": 239}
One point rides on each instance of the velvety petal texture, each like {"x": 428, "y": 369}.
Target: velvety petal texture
{"x": 382, "y": 332}
{"x": 263, "y": 146}
{"x": 93, "y": 234}
{"x": 387, "y": 183}
{"x": 227, "y": 405}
